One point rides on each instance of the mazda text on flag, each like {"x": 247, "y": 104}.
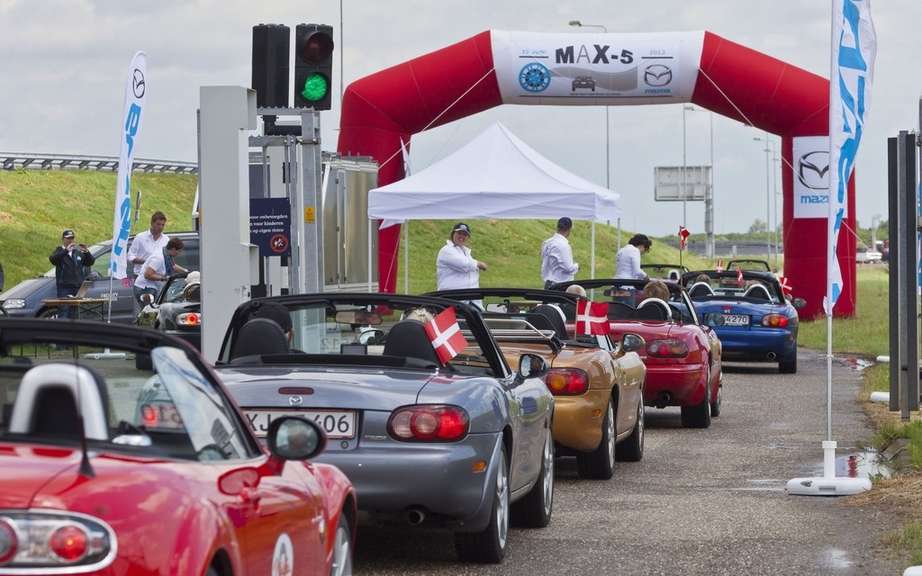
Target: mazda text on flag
{"x": 423, "y": 412}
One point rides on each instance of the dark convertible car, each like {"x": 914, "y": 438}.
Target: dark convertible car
{"x": 454, "y": 439}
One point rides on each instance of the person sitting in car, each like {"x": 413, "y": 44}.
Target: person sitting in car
{"x": 655, "y": 289}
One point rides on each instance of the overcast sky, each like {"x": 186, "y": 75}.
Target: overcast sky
{"x": 64, "y": 63}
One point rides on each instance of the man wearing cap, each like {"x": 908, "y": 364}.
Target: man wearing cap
{"x": 557, "y": 263}
{"x": 454, "y": 267}
{"x": 70, "y": 262}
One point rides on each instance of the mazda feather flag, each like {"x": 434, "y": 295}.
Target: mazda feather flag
{"x": 129, "y": 129}
{"x": 445, "y": 335}
{"x": 854, "y": 49}
{"x": 592, "y": 317}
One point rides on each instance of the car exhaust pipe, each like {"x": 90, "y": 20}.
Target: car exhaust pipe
{"x": 415, "y": 516}
{"x": 663, "y": 399}
{"x": 772, "y": 356}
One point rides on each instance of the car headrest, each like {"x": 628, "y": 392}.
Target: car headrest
{"x": 259, "y": 336}
{"x": 758, "y": 292}
{"x": 700, "y": 290}
{"x": 653, "y": 309}
{"x": 620, "y": 311}
{"x": 46, "y": 403}
{"x": 555, "y": 318}
{"x": 408, "y": 339}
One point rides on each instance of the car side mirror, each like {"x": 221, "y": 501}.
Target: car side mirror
{"x": 293, "y": 438}
{"x": 632, "y": 343}
{"x": 531, "y": 366}
{"x": 147, "y": 298}
{"x": 799, "y": 303}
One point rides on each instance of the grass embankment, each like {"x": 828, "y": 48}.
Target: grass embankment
{"x": 512, "y": 251}
{"x": 36, "y": 206}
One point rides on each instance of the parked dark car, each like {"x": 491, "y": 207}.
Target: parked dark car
{"x": 177, "y": 310}
{"x": 24, "y": 300}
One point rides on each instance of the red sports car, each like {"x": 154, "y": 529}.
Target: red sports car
{"x": 121, "y": 453}
{"x": 682, "y": 355}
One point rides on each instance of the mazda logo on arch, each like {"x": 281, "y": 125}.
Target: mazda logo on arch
{"x": 657, "y": 75}
{"x": 813, "y": 170}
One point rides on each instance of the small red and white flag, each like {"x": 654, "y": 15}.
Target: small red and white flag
{"x": 683, "y": 237}
{"x": 739, "y": 277}
{"x": 785, "y": 287}
{"x": 592, "y": 317}
{"x": 720, "y": 265}
{"x": 445, "y": 335}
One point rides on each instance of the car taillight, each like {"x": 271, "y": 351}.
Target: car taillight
{"x": 40, "y": 540}
{"x": 428, "y": 423}
{"x": 667, "y": 348}
{"x": 567, "y": 381}
{"x": 189, "y": 319}
{"x": 8, "y": 542}
{"x": 69, "y": 543}
{"x": 775, "y": 321}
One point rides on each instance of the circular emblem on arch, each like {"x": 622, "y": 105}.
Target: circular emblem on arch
{"x": 535, "y": 77}
{"x": 283, "y": 557}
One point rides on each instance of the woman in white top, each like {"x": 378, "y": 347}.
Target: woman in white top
{"x": 627, "y": 262}
{"x": 454, "y": 266}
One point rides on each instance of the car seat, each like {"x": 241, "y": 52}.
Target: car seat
{"x": 757, "y": 292}
{"x": 46, "y": 403}
{"x": 700, "y": 290}
{"x": 620, "y": 311}
{"x": 408, "y": 339}
{"x": 554, "y": 317}
{"x": 259, "y": 336}
{"x": 652, "y": 309}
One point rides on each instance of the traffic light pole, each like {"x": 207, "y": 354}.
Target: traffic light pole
{"x": 311, "y": 249}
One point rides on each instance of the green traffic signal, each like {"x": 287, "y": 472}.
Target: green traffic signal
{"x": 315, "y": 87}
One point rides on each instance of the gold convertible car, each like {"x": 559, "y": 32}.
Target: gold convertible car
{"x": 597, "y": 384}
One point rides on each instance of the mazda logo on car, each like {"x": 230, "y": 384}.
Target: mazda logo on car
{"x": 813, "y": 170}
{"x": 138, "y": 86}
{"x": 295, "y": 400}
{"x": 657, "y": 75}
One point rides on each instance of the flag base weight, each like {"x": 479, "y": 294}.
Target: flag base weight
{"x": 828, "y": 484}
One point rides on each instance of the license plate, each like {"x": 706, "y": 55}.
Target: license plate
{"x": 336, "y": 423}
{"x": 736, "y": 320}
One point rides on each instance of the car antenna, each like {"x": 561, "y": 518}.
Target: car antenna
{"x": 86, "y": 470}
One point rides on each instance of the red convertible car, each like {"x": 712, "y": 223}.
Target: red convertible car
{"x": 682, "y": 355}
{"x": 121, "y": 453}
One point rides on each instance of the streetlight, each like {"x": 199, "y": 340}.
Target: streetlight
{"x": 768, "y": 192}
{"x": 579, "y": 24}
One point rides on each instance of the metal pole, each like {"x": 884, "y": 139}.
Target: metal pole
{"x": 592, "y": 259}
{"x": 893, "y": 221}
{"x": 684, "y": 176}
{"x": 709, "y": 208}
{"x": 775, "y": 233}
{"x": 342, "y": 47}
{"x": 406, "y": 257}
{"x": 370, "y": 289}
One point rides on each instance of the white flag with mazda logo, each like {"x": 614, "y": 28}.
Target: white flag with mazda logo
{"x": 854, "y": 48}
{"x": 128, "y": 130}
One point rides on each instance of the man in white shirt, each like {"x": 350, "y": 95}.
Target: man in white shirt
{"x": 557, "y": 263}
{"x": 454, "y": 266}
{"x": 144, "y": 245}
{"x": 158, "y": 268}
{"x": 627, "y": 262}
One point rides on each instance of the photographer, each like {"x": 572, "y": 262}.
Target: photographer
{"x": 70, "y": 263}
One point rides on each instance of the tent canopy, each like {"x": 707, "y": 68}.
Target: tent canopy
{"x": 495, "y": 175}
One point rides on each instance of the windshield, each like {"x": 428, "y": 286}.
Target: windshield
{"x": 155, "y": 403}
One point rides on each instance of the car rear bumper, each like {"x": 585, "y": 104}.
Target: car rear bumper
{"x": 392, "y": 478}
{"x": 578, "y": 420}
{"x": 194, "y": 338}
{"x": 674, "y": 384}
{"x": 756, "y": 344}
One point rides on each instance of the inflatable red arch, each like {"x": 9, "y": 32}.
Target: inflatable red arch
{"x": 499, "y": 67}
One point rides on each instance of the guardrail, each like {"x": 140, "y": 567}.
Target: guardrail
{"x": 26, "y": 161}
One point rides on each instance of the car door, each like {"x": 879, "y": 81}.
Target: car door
{"x": 531, "y": 401}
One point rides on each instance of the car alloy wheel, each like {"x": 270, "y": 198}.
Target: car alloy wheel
{"x": 611, "y": 436}
{"x": 502, "y": 506}
{"x": 549, "y": 474}
{"x": 342, "y": 550}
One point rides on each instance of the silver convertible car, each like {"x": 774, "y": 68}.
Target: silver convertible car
{"x": 455, "y": 441}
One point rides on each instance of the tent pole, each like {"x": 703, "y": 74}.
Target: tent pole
{"x": 406, "y": 257}
{"x": 592, "y": 264}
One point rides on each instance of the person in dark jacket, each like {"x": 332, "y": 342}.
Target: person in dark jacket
{"x": 70, "y": 263}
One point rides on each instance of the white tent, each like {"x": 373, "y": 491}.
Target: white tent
{"x": 498, "y": 176}
{"x": 495, "y": 175}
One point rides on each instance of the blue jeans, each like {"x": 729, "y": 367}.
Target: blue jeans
{"x": 65, "y": 292}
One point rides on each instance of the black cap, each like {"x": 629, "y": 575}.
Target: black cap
{"x": 461, "y": 227}
{"x": 564, "y": 223}
{"x": 67, "y": 233}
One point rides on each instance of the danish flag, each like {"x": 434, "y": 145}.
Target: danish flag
{"x": 683, "y": 237}
{"x": 785, "y": 287}
{"x": 592, "y": 317}
{"x": 445, "y": 335}
{"x": 739, "y": 277}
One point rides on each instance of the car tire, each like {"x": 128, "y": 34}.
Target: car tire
{"x": 631, "y": 449}
{"x": 534, "y": 511}
{"x": 211, "y": 571}
{"x": 489, "y": 545}
{"x": 342, "y": 548}
{"x": 788, "y": 364}
{"x": 699, "y": 416}
{"x": 600, "y": 463}
{"x": 717, "y": 401}
{"x": 49, "y": 314}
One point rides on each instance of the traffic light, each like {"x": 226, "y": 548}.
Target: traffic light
{"x": 270, "y": 65}
{"x": 313, "y": 66}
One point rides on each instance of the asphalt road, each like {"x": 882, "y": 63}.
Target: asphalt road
{"x": 701, "y": 502}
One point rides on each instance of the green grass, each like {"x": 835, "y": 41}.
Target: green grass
{"x": 37, "y": 205}
{"x": 868, "y": 331}
{"x": 909, "y": 540}
{"x": 512, "y": 251}
{"x": 877, "y": 378}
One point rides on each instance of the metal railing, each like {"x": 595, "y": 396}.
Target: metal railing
{"x": 28, "y": 161}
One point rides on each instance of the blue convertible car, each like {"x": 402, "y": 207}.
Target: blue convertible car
{"x": 450, "y": 438}
{"x": 749, "y": 312}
